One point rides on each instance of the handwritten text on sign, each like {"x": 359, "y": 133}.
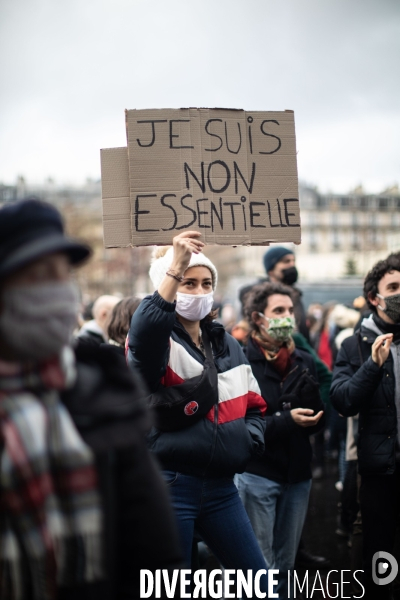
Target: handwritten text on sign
{"x": 230, "y": 174}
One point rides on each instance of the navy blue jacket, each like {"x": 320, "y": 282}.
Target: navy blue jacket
{"x": 221, "y": 443}
{"x": 287, "y": 455}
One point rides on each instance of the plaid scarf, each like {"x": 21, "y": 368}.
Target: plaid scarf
{"x": 279, "y": 356}
{"x": 50, "y": 514}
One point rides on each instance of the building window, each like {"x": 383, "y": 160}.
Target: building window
{"x": 395, "y": 220}
{"x": 355, "y": 240}
{"x": 335, "y": 239}
{"x": 383, "y": 203}
{"x": 334, "y": 219}
{"x": 313, "y": 239}
{"x": 373, "y": 220}
{"x": 372, "y": 238}
{"x": 354, "y": 220}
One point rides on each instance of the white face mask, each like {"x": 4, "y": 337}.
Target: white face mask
{"x": 194, "y": 307}
{"x": 37, "y": 321}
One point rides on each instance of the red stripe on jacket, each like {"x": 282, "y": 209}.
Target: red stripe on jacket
{"x": 171, "y": 378}
{"x": 256, "y": 401}
{"x": 237, "y": 407}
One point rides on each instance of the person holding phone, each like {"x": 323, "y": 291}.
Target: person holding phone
{"x": 275, "y": 486}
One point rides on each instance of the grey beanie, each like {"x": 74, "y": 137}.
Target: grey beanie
{"x": 274, "y": 255}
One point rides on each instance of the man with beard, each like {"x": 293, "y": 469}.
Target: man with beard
{"x": 366, "y": 381}
{"x": 280, "y": 267}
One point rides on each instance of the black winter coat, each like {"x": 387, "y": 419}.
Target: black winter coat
{"x": 222, "y": 442}
{"x": 287, "y": 455}
{"x": 360, "y": 386}
{"x": 140, "y": 533}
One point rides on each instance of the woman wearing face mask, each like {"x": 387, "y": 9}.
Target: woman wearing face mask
{"x": 207, "y": 404}
{"x": 276, "y": 486}
{"x": 72, "y": 430}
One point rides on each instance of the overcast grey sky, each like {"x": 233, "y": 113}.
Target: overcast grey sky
{"x": 69, "y": 69}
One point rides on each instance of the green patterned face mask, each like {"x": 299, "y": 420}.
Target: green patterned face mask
{"x": 280, "y": 328}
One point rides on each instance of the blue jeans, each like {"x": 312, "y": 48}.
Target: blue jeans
{"x": 277, "y": 512}
{"x": 213, "y": 507}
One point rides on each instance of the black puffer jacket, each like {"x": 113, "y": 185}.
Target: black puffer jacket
{"x": 287, "y": 454}
{"x": 222, "y": 442}
{"x": 360, "y": 386}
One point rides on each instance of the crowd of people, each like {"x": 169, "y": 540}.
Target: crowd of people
{"x": 151, "y": 430}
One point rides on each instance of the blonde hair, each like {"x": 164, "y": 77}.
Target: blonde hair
{"x": 159, "y": 252}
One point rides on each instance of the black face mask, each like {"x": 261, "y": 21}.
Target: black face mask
{"x": 290, "y": 275}
{"x": 392, "y": 307}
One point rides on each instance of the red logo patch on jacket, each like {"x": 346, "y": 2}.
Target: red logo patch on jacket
{"x": 191, "y": 408}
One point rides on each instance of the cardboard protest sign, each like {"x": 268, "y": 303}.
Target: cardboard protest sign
{"x": 230, "y": 174}
{"x": 116, "y": 199}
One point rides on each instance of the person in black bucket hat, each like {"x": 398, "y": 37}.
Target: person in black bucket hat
{"x": 39, "y": 300}
{"x": 30, "y": 229}
{"x": 83, "y": 507}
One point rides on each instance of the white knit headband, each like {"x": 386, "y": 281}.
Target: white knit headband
{"x": 161, "y": 265}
